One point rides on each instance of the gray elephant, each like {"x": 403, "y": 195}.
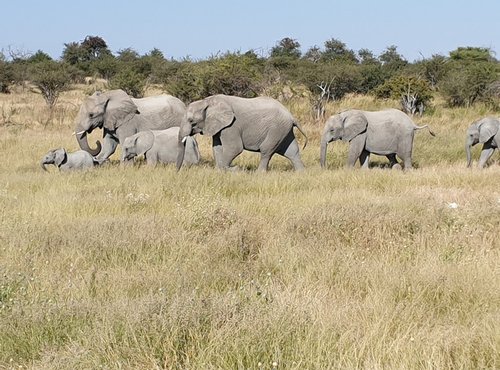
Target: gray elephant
{"x": 235, "y": 124}
{"x": 388, "y": 132}
{"x": 160, "y": 146}
{"x": 487, "y": 132}
{"x": 121, "y": 116}
{"x": 65, "y": 161}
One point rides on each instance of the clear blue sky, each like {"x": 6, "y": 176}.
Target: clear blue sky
{"x": 198, "y": 29}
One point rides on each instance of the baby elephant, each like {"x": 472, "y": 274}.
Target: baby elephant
{"x": 65, "y": 161}
{"x": 160, "y": 146}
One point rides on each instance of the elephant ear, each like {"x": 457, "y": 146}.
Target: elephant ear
{"x": 60, "y": 156}
{"x": 487, "y": 130}
{"x": 119, "y": 108}
{"x": 144, "y": 141}
{"x": 219, "y": 114}
{"x": 354, "y": 124}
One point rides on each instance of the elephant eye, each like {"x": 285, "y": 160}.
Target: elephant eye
{"x": 91, "y": 115}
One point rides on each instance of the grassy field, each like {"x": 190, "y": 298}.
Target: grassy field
{"x": 142, "y": 268}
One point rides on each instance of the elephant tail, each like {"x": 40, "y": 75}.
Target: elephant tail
{"x": 296, "y": 124}
{"x": 428, "y": 128}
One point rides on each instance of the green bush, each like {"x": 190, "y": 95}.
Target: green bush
{"x": 51, "y": 78}
{"x": 466, "y": 83}
{"x": 232, "y": 74}
{"x": 414, "y": 93}
{"x": 5, "y": 75}
{"x": 130, "y": 81}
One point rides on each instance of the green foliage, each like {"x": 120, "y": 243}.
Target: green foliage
{"x": 286, "y": 47}
{"x": 472, "y": 54}
{"x": 391, "y": 59}
{"x": 51, "y": 78}
{"x": 412, "y": 92}
{"x": 39, "y": 57}
{"x": 130, "y": 81}
{"x": 5, "y": 74}
{"x": 232, "y": 74}
{"x": 336, "y": 50}
{"x": 467, "y": 82}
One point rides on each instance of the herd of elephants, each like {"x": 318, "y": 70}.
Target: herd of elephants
{"x": 162, "y": 129}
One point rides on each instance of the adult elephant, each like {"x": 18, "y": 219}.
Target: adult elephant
{"x": 121, "y": 116}
{"x": 388, "y": 132}
{"x": 235, "y": 124}
{"x": 487, "y": 132}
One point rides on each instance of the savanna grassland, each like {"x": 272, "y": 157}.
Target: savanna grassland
{"x": 142, "y": 268}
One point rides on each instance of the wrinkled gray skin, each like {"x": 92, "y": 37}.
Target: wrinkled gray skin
{"x": 79, "y": 160}
{"x": 160, "y": 146}
{"x": 121, "y": 116}
{"x": 235, "y": 124}
{"x": 388, "y": 132}
{"x": 487, "y": 132}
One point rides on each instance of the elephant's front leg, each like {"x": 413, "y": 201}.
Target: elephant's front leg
{"x": 226, "y": 146}
{"x": 356, "y": 147}
{"x": 108, "y": 148}
{"x": 486, "y": 154}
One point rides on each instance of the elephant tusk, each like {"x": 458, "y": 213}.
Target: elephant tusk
{"x": 184, "y": 139}
{"x": 77, "y": 133}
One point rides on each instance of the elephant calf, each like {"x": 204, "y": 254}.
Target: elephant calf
{"x": 65, "y": 161}
{"x": 160, "y": 146}
{"x": 487, "y": 132}
{"x": 388, "y": 132}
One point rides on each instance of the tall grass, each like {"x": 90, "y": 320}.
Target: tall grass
{"x": 138, "y": 267}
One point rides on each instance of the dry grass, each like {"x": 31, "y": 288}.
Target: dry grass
{"x": 148, "y": 268}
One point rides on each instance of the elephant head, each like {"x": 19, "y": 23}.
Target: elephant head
{"x": 103, "y": 110}
{"x": 207, "y": 117}
{"x": 344, "y": 126}
{"x": 56, "y": 157}
{"x": 480, "y": 132}
{"x": 137, "y": 144}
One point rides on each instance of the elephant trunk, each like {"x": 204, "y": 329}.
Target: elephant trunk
{"x": 42, "y": 164}
{"x": 81, "y": 137}
{"x": 184, "y": 133}
{"x": 468, "y": 146}
{"x": 322, "y": 160}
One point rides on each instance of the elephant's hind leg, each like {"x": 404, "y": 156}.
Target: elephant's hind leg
{"x": 393, "y": 161}
{"x": 486, "y": 154}
{"x": 289, "y": 149}
{"x": 364, "y": 159}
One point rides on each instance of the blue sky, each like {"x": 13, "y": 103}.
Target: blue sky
{"x": 201, "y": 28}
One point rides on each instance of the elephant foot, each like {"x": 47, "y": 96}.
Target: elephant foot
{"x": 397, "y": 167}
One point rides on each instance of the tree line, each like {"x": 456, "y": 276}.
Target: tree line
{"x": 464, "y": 77}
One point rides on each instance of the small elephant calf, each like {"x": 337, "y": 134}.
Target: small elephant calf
{"x": 65, "y": 161}
{"x": 160, "y": 146}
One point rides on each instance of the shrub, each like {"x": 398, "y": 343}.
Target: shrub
{"x": 466, "y": 82}
{"x": 51, "y": 78}
{"x": 5, "y": 75}
{"x": 129, "y": 81}
{"x": 413, "y": 93}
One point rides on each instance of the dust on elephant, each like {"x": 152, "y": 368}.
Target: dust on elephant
{"x": 235, "y": 124}
{"x": 121, "y": 116}
{"x": 160, "y": 146}
{"x": 388, "y": 132}
{"x": 65, "y": 161}
{"x": 487, "y": 132}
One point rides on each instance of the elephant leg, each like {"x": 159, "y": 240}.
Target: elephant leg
{"x": 364, "y": 159}
{"x": 393, "y": 161}
{"x": 356, "y": 147}
{"x": 108, "y": 148}
{"x": 289, "y": 149}
{"x": 486, "y": 154}
{"x": 231, "y": 145}
{"x": 217, "y": 149}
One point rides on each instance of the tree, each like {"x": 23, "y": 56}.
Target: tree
{"x": 51, "y": 78}
{"x": 366, "y": 57}
{"x": 391, "y": 59}
{"x": 38, "y": 57}
{"x": 472, "y": 54}
{"x": 130, "y": 81}
{"x": 5, "y": 74}
{"x": 95, "y": 47}
{"x": 313, "y": 54}
{"x": 286, "y": 47}
{"x": 337, "y": 50}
